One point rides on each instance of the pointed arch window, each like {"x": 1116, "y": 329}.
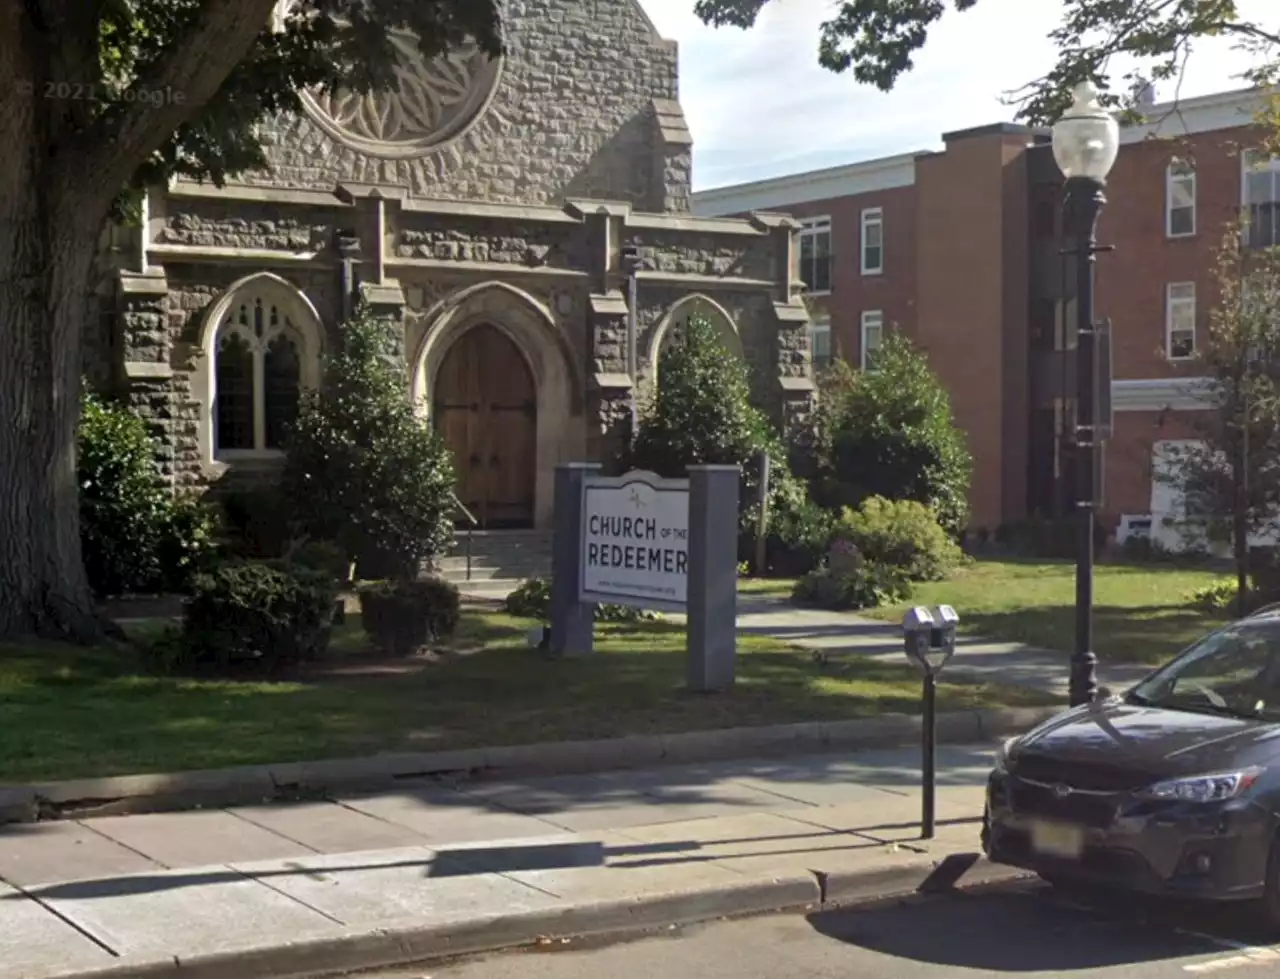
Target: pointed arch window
{"x": 257, "y": 378}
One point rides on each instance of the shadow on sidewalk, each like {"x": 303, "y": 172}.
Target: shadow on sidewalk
{"x": 480, "y": 859}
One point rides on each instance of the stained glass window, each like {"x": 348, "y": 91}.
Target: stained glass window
{"x": 281, "y": 380}
{"x": 234, "y": 401}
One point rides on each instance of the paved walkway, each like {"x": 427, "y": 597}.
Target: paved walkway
{"x": 837, "y": 634}
{"x": 83, "y": 895}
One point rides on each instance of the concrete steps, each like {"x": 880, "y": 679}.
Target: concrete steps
{"x": 499, "y": 555}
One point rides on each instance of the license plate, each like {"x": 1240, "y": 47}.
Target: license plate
{"x": 1057, "y": 839}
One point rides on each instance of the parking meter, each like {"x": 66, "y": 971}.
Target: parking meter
{"x": 929, "y": 640}
{"x": 943, "y": 639}
{"x": 917, "y": 636}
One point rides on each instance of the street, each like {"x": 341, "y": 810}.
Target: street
{"x": 1023, "y": 927}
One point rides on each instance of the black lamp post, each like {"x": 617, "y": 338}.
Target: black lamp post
{"x": 1085, "y": 143}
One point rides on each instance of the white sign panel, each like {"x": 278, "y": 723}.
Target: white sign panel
{"x": 635, "y": 541}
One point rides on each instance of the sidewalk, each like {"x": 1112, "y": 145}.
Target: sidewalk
{"x": 376, "y": 880}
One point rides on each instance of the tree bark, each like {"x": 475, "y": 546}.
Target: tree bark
{"x": 61, "y": 165}
{"x": 47, "y": 251}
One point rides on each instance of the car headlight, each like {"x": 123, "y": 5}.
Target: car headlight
{"x": 1002, "y": 754}
{"x": 1203, "y": 788}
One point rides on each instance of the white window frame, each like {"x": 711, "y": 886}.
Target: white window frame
{"x": 1271, "y": 165}
{"x": 872, "y": 319}
{"x": 820, "y": 325}
{"x": 872, "y": 217}
{"x": 1180, "y": 172}
{"x": 1171, "y": 306}
{"x": 814, "y": 227}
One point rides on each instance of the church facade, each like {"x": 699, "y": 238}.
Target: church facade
{"x": 484, "y": 207}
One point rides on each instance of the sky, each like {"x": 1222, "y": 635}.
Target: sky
{"x": 760, "y": 106}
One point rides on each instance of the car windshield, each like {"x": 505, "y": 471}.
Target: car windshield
{"x": 1234, "y": 671}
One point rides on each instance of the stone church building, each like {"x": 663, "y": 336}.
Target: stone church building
{"x": 484, "y": 207}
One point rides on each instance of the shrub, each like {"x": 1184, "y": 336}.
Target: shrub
{"x": 376, "y": 478}
{"x": 323, "y": 556}
{"x": 865, "y": 586}
{"x": 532, "y": 600}
{"x": 251, "y": 614}
{"x": 702, "y": 413}
{"x": 797, "y": 540}
{"x": 135, "y": 534}
{"x": 1217, "y": 597}
{"x": 890, "y": 432}
{"x": 401, "y": 617}
{"x": 258, "y": 522}
{"x": 901, "y": 534}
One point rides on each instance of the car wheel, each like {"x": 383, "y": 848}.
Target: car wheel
{"x": 1269, "y": 906}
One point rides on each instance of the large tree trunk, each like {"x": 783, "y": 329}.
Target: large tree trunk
{"x": 48, "y": 245}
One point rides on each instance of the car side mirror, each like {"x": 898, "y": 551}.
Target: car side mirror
{"x": 1103, "y": 694}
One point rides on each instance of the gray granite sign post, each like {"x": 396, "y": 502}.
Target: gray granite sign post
{"x": 638, "y": 540}
{"x": 713, "y": 576}
{"x": 572, "y": 620}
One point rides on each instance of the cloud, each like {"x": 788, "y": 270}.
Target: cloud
{"x": 759, "y": 105}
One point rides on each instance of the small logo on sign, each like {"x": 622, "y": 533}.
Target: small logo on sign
{"x": 636, "y": 500}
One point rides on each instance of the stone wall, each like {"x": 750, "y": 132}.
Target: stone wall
{"x": 702, "y": 253}
{"x": 467, "y": 238}
{"x": 159, "y": 326}
{"x": 242, "y": 224}
{"x": 584, "y": 107}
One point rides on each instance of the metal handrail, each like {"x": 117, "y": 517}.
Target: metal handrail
{"x": 472, "y": 524}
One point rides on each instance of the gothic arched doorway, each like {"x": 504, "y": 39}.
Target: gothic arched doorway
{"x": 485, "y": 407}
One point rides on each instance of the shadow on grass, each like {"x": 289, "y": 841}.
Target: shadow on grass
{"x": 1147, "y": 635}
{"x": 72, "y": 713}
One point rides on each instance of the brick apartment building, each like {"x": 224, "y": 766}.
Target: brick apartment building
{"x": 960, "y": 249}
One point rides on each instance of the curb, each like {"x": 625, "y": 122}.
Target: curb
{"x": 407, "y": 943}
{"x": 268, "y": 783}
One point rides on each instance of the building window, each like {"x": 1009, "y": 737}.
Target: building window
{"x": 820, "y": 342}
{"x": 872, "y": 336}
{"x": 1180, "y": 199}
{"x": 257, "y": 379}
{"x": 1180, "y": 320}
{"x": 1261, "y": 194}
{"x": 872, "y": 241}
{"x": 815, "y": 254}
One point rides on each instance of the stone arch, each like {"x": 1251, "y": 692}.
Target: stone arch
{"x": 679, "y": 311}
{"x": 531, "y": 326}
{"x": 296, "y": 317}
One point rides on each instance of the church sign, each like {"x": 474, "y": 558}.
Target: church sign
{"x": 635, "y": 541}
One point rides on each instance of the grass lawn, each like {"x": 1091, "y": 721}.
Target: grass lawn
{"x": 766, "y": 587}
{"x": 72, "y": 712}
{"x": 1140, "y": 615}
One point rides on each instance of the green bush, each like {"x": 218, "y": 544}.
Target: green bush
{"x": 865, "y": 586}
{"x": 259, "y": 616}
{"x": 324, "y": 556}
{"x": 889, "y": 432}
{"x": 401, "y": 617}
{"x": 1217, "y": 597}
{"x": 532, "y": 600}
{"x": 136, "y": 535}
{"x": 258, "y": 522}
{"x": 797, "y": 540}
{"x": 702, "y": 414}
{"x": 375, "y": 477}
{"x": 901, "y": 534}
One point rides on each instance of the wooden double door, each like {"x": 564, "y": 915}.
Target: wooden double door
{"x": 485, "y": 408}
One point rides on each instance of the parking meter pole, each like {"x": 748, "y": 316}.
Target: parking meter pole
{"x": 929, "y": 761}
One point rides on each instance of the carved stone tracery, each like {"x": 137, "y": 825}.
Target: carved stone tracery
{"x": 431, "y": 103}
